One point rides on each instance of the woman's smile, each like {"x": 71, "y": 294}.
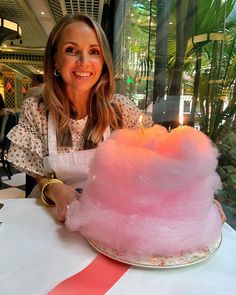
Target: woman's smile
{"x": 82, "y": 75}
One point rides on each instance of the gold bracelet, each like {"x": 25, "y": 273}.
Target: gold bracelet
{"x": 44, "y": 198}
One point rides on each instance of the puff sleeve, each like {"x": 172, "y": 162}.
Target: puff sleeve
{"x": 29, "y": 138}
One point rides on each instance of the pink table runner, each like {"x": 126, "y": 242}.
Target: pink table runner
{"x": 96, "y": 279}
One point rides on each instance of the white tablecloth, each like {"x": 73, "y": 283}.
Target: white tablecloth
{"x": 36, "y": 253}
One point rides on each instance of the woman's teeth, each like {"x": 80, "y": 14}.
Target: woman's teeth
{"x": 82, "y": 74}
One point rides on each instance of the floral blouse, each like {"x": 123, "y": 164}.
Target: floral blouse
{"x": 29, "y": 139}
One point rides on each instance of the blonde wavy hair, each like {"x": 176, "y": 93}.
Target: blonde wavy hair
{"x": 102, "y": 112}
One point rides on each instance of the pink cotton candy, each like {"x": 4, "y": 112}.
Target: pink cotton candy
{"x": 151, "y": 193}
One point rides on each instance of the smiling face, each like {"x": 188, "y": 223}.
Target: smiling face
{"x": 79, "y": 58}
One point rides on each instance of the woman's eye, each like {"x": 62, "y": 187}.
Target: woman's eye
{"x": 71, "y": 50}
{"x": 95, "y": 52}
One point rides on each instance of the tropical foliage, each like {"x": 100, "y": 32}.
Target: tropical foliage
{"x": 185, "y": 47}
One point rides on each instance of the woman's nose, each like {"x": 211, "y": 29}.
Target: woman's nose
{"x": 83, "y": 58}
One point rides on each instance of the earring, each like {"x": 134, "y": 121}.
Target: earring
{"x": 57, "y": 72}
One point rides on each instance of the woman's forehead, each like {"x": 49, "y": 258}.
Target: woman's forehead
{"x": 79, "y": 32}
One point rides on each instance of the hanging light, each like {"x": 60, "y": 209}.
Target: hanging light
{"x": 9, "y": 30}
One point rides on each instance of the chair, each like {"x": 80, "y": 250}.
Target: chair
{"x": 30, "y": 182}
{"x": 8, "y": 122}
{"x": 3, "y": 121}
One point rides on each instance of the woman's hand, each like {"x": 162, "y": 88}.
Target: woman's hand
{"x": 62, "y": 195}
{"x": 220, "y": 209}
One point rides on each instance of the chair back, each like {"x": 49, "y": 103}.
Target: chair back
{"x": 3, "y": 121}
{"x": 8, "y": 122}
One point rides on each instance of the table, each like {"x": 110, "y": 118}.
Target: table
{"x": 37, "y": 253}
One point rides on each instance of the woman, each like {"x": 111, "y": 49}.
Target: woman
{"x": 59, "y": 130}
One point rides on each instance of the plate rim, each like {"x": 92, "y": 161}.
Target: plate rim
{"x": 209, "y": 253}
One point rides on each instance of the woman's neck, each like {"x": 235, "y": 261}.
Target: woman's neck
{"x": 81, "y": 103}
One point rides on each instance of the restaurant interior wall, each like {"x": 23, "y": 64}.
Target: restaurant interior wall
{"x": 21, "y": 54}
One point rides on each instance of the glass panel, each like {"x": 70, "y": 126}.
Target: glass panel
{"x": 179, "y": 58}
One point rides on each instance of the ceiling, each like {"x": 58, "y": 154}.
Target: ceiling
{"x": 24, "y": 55}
